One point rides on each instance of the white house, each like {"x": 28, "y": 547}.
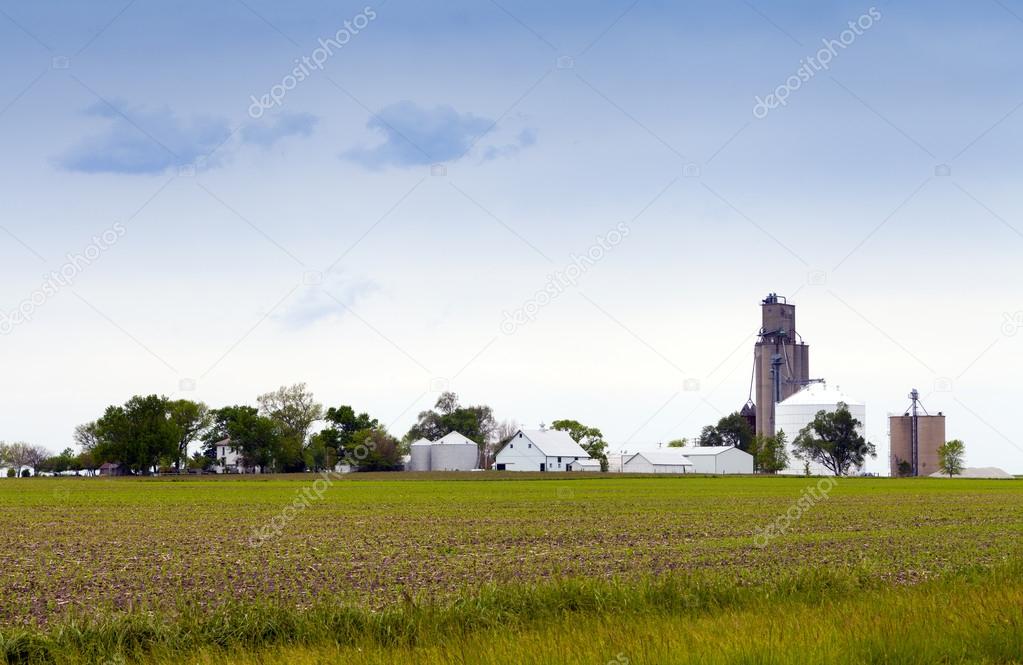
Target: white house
{"x": 717, "y": 459}
{"x": 584, "y": 465}
{"x": 229, "y": 458}
{"x": 539, "y": 450}
{"x": 662, "y": 460}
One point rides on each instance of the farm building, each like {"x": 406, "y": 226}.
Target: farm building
{"x": 111, "y": 469}
{"x": 584, "y": 465}
{"x": 229, "y": 458}
{"x": 662, "y": 460}
{"x": 539, "y": 450}
{"x": 717, "y": 459}
{"x": 419, "y": 455}
{"x": 801, "y": 408}
{"x": 452, "y": 452}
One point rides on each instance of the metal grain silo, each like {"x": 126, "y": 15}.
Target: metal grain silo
{"x": 799, "y": 410}
{"x": 454, "y": 452}
{"x": 420, "y": 455}
{"x": 915, "y": 438}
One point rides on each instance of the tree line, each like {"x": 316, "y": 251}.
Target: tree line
{"x": 153, "y": 433}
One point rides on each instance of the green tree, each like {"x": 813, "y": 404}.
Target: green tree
{"x": 257, "y": 439}
{"x": 191, "y": 419}
{"x": 678, "y": 443}
{"x": 732, "y": 430}
{"x": 589, "y": 439}
{"x": 375, "y": 450}
{"x": 199, "y": 461}
{"x": 58, "y": 463}
{"x": 769, "y": 452}
{"x": 343, "y": 424}
{"x": 709, "y": 436}
{"x": 220, "y": 425}
{"x": 904, "y": 468}
{"x": 294, "y": 409}
{"x": 832, "y": 439}
{"x": 138, "y": 434}
{"x": 476, "y": 423}
{"x": 950, "y": 456}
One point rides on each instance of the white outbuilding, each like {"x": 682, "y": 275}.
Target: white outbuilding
{"x": 662, "y": 460}
{"x": 717, "y": 459}
{"x": 584, "y": 465}
{"x": 539, "y": 450}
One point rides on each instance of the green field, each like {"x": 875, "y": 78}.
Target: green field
{"x": 508, "y": 568}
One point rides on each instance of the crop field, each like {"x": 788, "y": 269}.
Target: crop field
{"x": 174, "y": 551}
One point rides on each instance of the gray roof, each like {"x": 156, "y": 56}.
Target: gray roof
{"x": 454, "y": 438}
{"x": 703, "y": 451}
{"x": 664, "y": 456}
{"x": 554, "y": 443}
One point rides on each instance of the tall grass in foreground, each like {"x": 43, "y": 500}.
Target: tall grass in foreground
{"x": 807, "y": 616}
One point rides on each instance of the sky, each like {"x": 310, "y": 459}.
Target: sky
{"x": 562, "y": 210}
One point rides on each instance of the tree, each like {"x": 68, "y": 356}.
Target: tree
{"x": 732, "y": 430}
{"x": 58, "y": 463}
{"x": 375, "y": 450}
{"x": 476, "y": 423}
{"x": 138, "y": 434}
{"x": 199, "y": 461}
{"x": 21, "y": 456}
{"x": 87, "y": 461}
{"x": 219, "y": 428}
{"x": 904, "y": 468}
{"x": 589, "y": 439}
{"x": 950, "y": 456}
{"x": 343, "y": 425}
{"x": 294, "y": 409}
{"x": 257, "y": 439}
{"x": 85, "y": 436}
{"x": 678, "y": 443}
{"x": 769, "y": 452}
{"x": 499, "y": 437}
{"x": 832, "y": 439}
{"x": 191, "y": 419}
{"x": 709, "y": 436}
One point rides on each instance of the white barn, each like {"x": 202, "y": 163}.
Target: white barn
{"x": 539, "y": 450}
{"x": 717, "y": 459}
{"x": 662, "y": 460}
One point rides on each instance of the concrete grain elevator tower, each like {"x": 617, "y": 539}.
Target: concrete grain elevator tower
{"x": 781, "y": 361}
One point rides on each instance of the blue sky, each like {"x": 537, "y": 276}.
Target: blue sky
{"x": 368, "y": 232}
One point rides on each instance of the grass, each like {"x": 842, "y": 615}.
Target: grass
{"x": 809, "y": 615}
{"x": 415, "y": 567}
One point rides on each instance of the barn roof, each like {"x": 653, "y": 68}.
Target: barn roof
{"x": 554, "y": 443}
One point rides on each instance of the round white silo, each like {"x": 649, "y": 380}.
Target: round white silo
{"x": 420, "y": 455}
{"x": 454, "y": 452}
{"x": 799, "y": 410}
